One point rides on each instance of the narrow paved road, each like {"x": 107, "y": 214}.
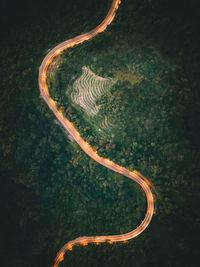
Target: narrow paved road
{"x": 135, "y": 176}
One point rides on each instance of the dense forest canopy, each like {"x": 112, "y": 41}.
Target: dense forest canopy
{"x": 51, "y": 191}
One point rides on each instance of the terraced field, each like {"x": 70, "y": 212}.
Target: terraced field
{"x": 87, "y": 89}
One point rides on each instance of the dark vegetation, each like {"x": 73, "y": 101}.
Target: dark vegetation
{"x": 51, "y": 191}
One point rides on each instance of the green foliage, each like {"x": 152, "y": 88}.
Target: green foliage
{"x": 51, "y": 191}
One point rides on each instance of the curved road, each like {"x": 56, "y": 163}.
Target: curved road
{"x": 135, "y": 176}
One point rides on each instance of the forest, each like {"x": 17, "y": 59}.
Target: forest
{"x": 143, "y": 114}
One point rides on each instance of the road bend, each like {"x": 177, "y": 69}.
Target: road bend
{"x": 135, "y": 176}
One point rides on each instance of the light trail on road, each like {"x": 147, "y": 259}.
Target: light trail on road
{"x": 135, "y": 176}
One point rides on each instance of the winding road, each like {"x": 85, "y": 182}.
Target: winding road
{"x": 135, "y": 176}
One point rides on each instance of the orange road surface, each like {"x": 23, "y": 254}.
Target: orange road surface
{"x": 135, "y": 176}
